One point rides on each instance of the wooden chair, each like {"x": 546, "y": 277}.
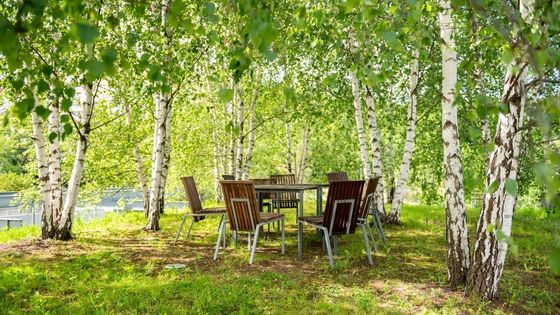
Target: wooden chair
{"x": 367, "y": 209}
{"x": 198, "y": 213}
{"x": 265, "y": 196}
{"x": 340, "y": 216}
{"x": 336, "y": 176}
{"x": 228, "y": 177}
{"x": 243, "y": 214}
{"x": 288, "y": 200}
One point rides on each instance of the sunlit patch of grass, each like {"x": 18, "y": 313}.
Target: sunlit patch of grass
{"x": 114, "y": 266}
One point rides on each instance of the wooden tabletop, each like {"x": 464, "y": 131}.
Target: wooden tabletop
{"x": 287, "y": 187}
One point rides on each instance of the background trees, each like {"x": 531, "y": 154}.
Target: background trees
{"x": 262, "y": 87}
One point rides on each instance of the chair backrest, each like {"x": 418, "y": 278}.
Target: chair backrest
{"x": 192, "y": 195}
{"x": 369, "y": 195}
{"x": 343, "y": 206}
{"x": 241, "y": 204}
{"x": 285, "y": 200}
{"x": 335, "y": 176}
{"x": 228, "y": 177}
{"x": 263, "y": 181}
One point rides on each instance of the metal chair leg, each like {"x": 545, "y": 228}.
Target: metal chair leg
{"x": 189, "y": 230}
{"x": 224, "y": 231}
{"x": 379, "y": 227}
{"x": 180, "y": 229}
{"x": 216, "y": 252}
{"x": 329, "y": 251}
{"x": 370, "y": 234}
{"x": 283, "y": 237}
{"x": 254, "y": 244}
{"x": 366, "y": 242}
{"x": 249, "y": 241}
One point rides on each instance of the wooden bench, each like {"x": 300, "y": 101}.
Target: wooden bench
{"x": 10, "y": 220}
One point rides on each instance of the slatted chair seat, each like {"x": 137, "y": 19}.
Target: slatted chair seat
{"x": 243, "y": 213}
{"x": 198, "y": 212}
{"x": 340, "y": 217}
{"x": 312, "y": 219}
{"x": 216, "y": 210}
{"x": 270, "y": 216}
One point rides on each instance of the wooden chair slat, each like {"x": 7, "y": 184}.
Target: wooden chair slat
{"x": 343, "y": 223}
{"x": 241, "y": 216}
{"x": 337, "y": 176}
{"x": 192, "y": 196}
{"x": 366, "y": 200}
{"x": 284, "y": 200}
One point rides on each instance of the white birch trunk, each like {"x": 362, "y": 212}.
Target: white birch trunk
{"x": 458, "y": 261}
{"x": 216, "y": 152}
{"x": 495, "y": 221}
{"x": 251, "y": 144}
{"x": 140, "y": 172}
{"x": 375, "y": 142}
{"x": 47, "y": 227}
{"x": 289, "y": 152}
{"x": 479, "y": 87}
{"x": 241, "y": 136}
{"x": 360, "y": 124}
{"x": 162, "y": 119}
{"x": 400, "y": 185}
{"x": 65, "y": 225}
{"x": 166, "y": 159}
{"x": 232, "y": 116}
{"x": 303, "y": 157}
{"x": 389, "y": 174}
{"x": 54, "y": 165}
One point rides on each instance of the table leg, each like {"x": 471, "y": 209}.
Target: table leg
{"x": 319, "y": 210}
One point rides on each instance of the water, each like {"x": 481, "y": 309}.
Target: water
{"x": 112, "y": 201}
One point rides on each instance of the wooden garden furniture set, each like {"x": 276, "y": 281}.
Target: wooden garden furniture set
{"x": 346, "y": 209}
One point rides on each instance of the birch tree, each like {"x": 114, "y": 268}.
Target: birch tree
{"x": 495, "y": 221}
{"x": 240, "y": 131}
{"x": 303, "y": 158}
{"x": 375, "y": 141}
{"x": 140, "y": 172}
{"x": 456, "y": 218}
{"x": 251, "y": 135}
{"x": 357, "y": 102}
{"x": 400, "y": 186}
{"x": 163, "y": 113}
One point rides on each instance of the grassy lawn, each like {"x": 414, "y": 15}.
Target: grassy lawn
{"x": 115, "y": 267}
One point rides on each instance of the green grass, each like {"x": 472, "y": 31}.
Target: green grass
{"x": 115, "y": 267}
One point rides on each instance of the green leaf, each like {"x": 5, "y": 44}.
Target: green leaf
{"x": 85, "y": 33}
{"x": 17, "y": 84}
{"x": 23, "y": 107}
{"x": 493, "y": 187}
{"x": 52, "y": 136}
{"x": 42, "y": 86}
{"x": 154, "y": 73}
{"x": 109, "y": 56}
{"x": 43, "y": 112}
{"x": 490, "y": 228}
{"x": 225, "y": 95}
{"x": 64, "y": 118}
{"x": 65, "y": 104}
{"x": 507, "y": 56}
{"x": 511, "y": 187}
{"x": 67, "y": 130}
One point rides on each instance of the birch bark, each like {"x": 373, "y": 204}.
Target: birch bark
{"x": 241, "y": 136}
{"x": 289, "y": 152}
{"x": 400, "y": 186}
{"x": 390, "y": 165}
{"x": 494, "y": 224}
{"x": 251, "y": 144}
{"x": 375, "y": 141}
{"x": 303, "y": 157}
{"x": 140, "y": 172}
{"x": 360, "y": 124}
{"x": 456, "y": 219}
{"x": 54, "y": 166}
{"x": 216, "y": 157}
{"x": 65, "y": 224}
{"x": 43, "y": 172}
{"x": 162, "y": 124}
{"x": 479, "y": 87}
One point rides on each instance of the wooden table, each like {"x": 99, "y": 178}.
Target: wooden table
{"x": 293, "y": 188}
